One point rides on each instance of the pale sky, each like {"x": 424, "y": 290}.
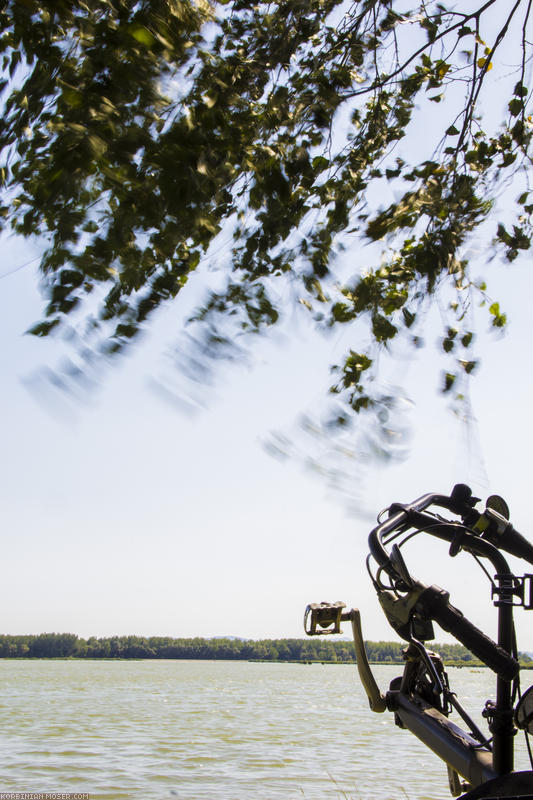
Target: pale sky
{"x": 122, "y": 516}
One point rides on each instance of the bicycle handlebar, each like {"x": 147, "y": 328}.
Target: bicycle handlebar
{"x": 433, "y": 601}
{"x": 460, "y": 502}
{"x": 398, "y": 516}
{"x": 413, "y": 515}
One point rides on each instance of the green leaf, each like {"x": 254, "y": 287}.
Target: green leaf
{"x": 382, "y": 328}
{"x": 449, "y": 380}
{"x": 72, "y": 97}
{"x": 43, "y": 328}
{"x": 408, "y": 317}
{"x": 499, "y": 319}
{"x": 468, "y": 366}
{"x": 342, "y": 313}
{"x": 142, "y": 35}
{"x": 442, "y": 68}
{"x": 448, "y": 345}
{"x": 520, "y": 90}
{"x": 320, "y": 163}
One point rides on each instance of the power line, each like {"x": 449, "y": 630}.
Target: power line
{"x": 21, "y": 266}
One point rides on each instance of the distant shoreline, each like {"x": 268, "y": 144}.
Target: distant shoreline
{"x": 314, "y": 650}
{"x": 466, "y": 665}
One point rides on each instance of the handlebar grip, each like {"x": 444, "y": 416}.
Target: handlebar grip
{"x": 435, "y": 603}
{"x": 513, "y": 542}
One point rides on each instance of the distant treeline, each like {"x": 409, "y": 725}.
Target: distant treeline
{"x": 68, "y": 645}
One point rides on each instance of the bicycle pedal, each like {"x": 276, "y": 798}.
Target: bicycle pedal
{"x": 323, "y": 618}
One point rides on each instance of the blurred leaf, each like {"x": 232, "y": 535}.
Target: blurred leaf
{"x": 43, "y": 328}
{"x": 142, "y": 35}
{"x": 139, "y": 141}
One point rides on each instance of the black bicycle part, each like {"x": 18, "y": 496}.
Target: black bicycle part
{"x": 434, "y": 602}
{"x": 517, "y": 786}
{"x": 470, "y": 535}
{"x": 499, "y": 532}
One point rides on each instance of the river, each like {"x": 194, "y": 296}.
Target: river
{"x": 213, "y": 730}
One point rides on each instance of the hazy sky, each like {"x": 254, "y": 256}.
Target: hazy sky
{"x": 121, "y": 515}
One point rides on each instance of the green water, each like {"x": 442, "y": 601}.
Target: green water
{"x": 207, "y": 730}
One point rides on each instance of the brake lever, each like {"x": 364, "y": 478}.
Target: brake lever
{"x": 400, "y": 566}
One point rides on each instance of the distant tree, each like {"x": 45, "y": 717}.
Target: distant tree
{"x": 134, "y": 132}
{"x": 81, "y": 649}
{"x": 283, "y": 651}
{"x": 114, "y": 647}
{"x": 68, "y": 645}
{"x": 53, "y": 645}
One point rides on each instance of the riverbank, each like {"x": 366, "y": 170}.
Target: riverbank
{"x": 320, "y": 650}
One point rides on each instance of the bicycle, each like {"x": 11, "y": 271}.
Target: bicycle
{"x": 479, "y": 767}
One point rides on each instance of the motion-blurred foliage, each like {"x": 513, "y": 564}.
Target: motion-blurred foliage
{"x": 134, "y": 132}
